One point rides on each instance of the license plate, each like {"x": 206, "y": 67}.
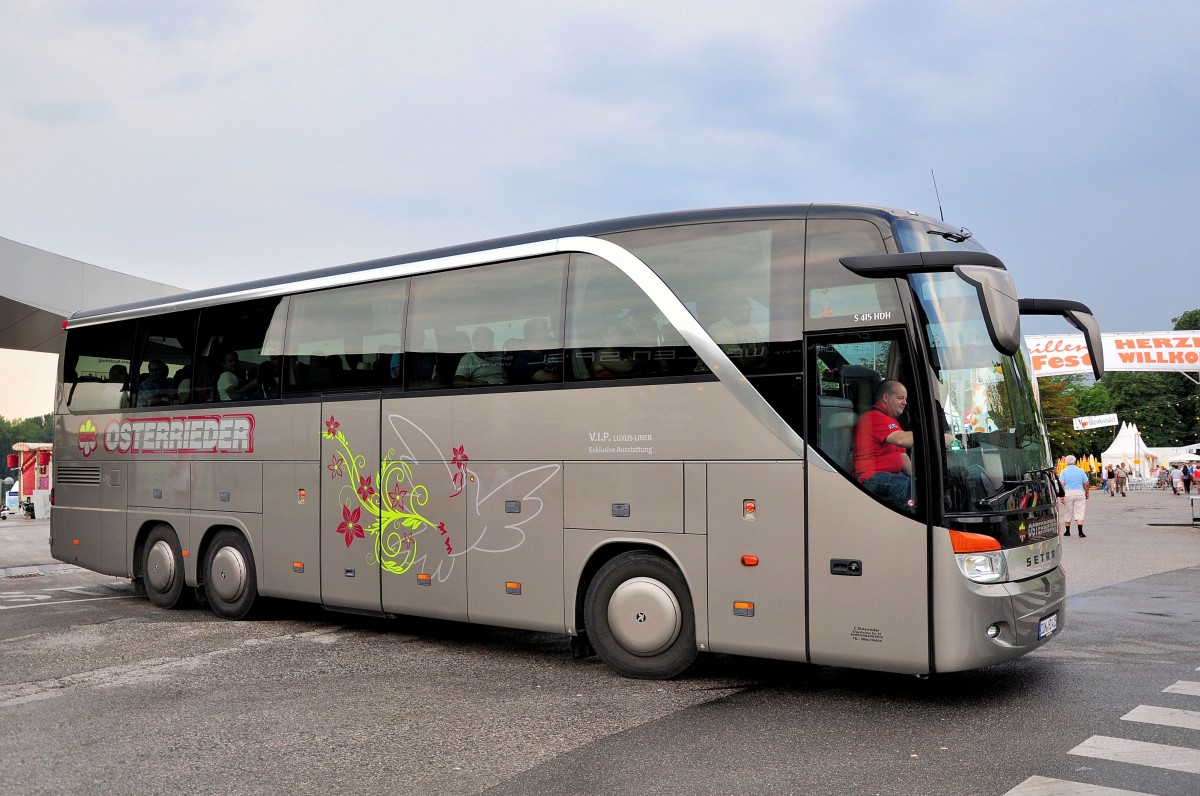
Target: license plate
{"x": 1048, "y": 625}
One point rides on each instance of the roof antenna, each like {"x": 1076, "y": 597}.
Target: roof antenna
{"x": 938, "y": 195}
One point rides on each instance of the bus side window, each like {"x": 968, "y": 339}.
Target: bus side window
{"x": 346, "y": 338}
{"x": 96, "y": 365}
{"x": 164, "y": 347}
{"x": 237, "y": 339}
{"x": 466, "y": 326}
{"x": 613, "y": 331}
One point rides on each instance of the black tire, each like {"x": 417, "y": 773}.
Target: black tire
{"x": 162, "y": 567}
{"x": 638, "y": 616}
{"x": 230, "y": 581}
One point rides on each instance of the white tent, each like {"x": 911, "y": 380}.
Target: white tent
{"x": 1129, "y": 449}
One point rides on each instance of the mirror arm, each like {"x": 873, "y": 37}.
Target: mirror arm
{"x": 1076, "y": 314}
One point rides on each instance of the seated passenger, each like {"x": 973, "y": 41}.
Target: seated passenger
{"x": 156, "y": 389}
{"x": 540, "y": 360}
{"x": 613, "y": 359}
{"x": 230, "y": 382}
{"x": 263, "y": 385}
{"x": 728, "y": 321}
{"x": 881, "y": 461}
{"x": 482, "y": 366}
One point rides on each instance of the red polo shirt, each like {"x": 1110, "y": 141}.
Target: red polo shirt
{"x": 871, "y": 453}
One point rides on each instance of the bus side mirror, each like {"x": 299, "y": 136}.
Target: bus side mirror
{"x": 998, "y": 300}
{"x": 1079, "y": 316}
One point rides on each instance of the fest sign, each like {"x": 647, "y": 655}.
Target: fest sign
{"x": 1062, "y": 354}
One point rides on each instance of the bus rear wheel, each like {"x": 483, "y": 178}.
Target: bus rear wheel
{"x": 638, "y": 615}
{"x": 230, "y": 582}
{"x": 162, "y": 566}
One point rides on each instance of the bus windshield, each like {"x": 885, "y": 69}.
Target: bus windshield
{"x": 987, "y": 400}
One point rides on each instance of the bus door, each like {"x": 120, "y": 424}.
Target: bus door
{"x": 427, "y": 485}
{"x": 350, "y": 503}
{"x": 868, "y": 582}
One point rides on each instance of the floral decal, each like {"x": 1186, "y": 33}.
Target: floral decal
{"x": 392, "y": 496}
{"x": 335, "y": 466}
{"x": 459, "y": 461}
{"x": 350, "y": 527}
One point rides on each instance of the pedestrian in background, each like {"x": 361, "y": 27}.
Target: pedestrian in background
{"x": 1075, "y": 494}
{"x": 1189, "y": 473}
{"x": 1121, "y": 471}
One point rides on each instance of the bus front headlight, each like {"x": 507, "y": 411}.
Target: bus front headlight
{"x": 983, "y": 567}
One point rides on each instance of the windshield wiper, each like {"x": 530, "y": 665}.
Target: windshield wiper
{"x": 954, "y": 237}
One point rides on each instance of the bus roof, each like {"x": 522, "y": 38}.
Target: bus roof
{"x": 272, "y": 285}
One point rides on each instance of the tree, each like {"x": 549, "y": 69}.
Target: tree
{"x": 1150, "y": 401}
{"x": 1188, "y": 321}
{"x": 33, "y": 429}
{"x": 1190, "y": 406}
{"x": 1058, "y": 408}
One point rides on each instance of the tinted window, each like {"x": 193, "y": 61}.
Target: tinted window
{"x": 163, "y": 359}
{"x": 239, "y": 353}
{"x": 96, "y": 366}
{"x": 487, "y": 326}
{"x": 851, "y": 419}
{"x": 740, "y": 280}
{"x": 346, "y": 338}
{"x": 838, "y": 298}
{"x": 614, "y": 331}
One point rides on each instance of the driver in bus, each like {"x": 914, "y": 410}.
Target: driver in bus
{"x": 881, "y": 461}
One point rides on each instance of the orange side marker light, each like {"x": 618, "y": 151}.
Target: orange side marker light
{"x": 749, "y": 561}
{"x": 964, "y": 542}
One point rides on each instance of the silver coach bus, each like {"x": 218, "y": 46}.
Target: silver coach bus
{"x": 638, "y": 432}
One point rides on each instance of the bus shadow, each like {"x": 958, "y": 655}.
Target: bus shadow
{"x": 1030, "y": 677}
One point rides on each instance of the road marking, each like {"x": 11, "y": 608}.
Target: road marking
{"x": 64, "y": 602}
{"x": 1045, "y": 786}
{"x": 1171, "y": 717}
{"x": 1188, "y": 687}
{"x": 1173, "y": 758}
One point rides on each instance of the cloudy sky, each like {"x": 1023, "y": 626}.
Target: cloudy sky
{"x": 202, "y": 143}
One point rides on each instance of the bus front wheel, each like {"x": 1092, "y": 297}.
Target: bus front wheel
{"x": 230, "y": 583}
{"x": 162, "y": 566}
{"x": 639, "y": 618}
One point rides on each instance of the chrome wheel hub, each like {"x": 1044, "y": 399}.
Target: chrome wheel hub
{"x": 644, "y": 616}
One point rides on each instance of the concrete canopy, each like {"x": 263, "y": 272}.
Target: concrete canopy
{"x": 38, "y": 290}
